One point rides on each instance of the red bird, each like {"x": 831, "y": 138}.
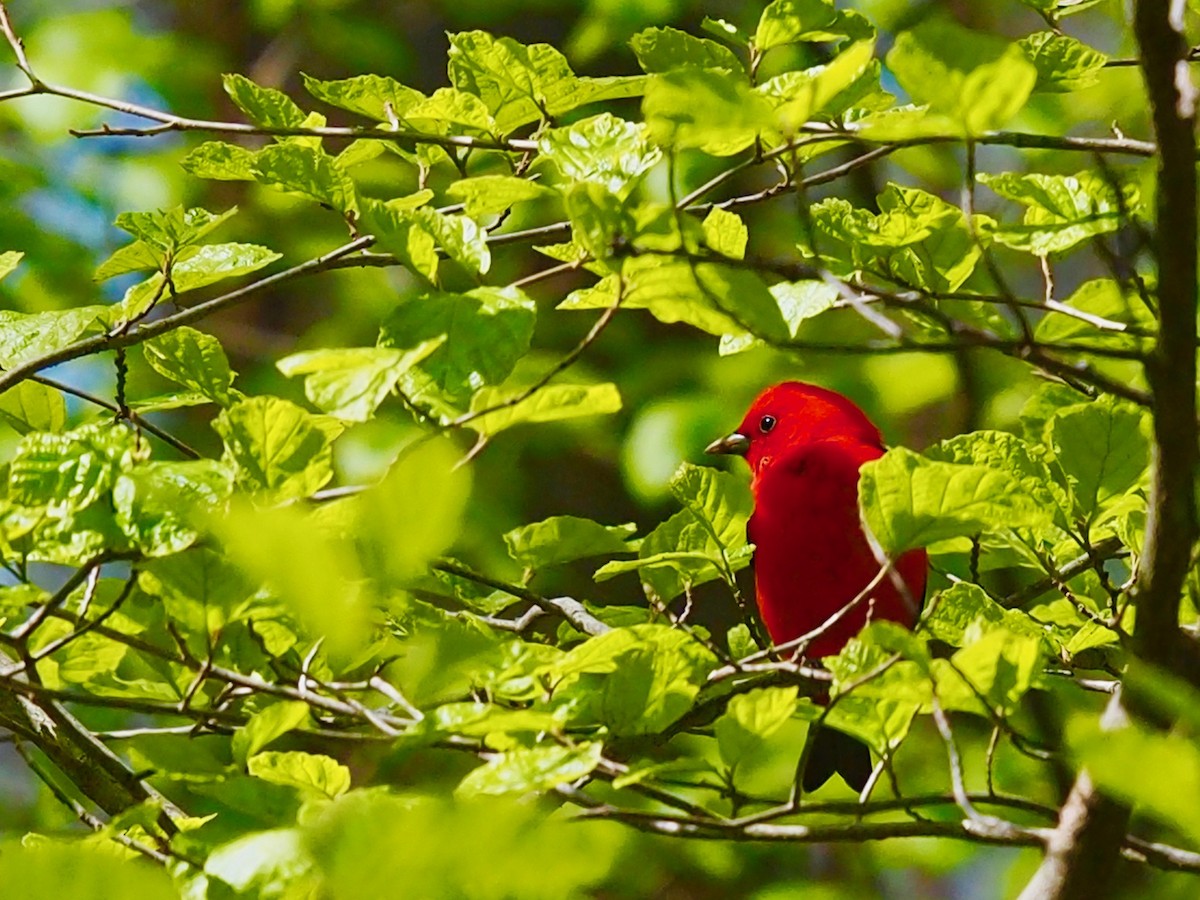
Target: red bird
{"x": 805, "y": 445}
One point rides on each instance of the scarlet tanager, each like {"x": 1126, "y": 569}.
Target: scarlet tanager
{"x": 805, "y": 445}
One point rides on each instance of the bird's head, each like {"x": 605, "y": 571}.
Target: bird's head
{"x": 794, "y": 414}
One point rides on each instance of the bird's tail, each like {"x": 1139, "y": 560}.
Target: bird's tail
{"x": 834, "y": 751}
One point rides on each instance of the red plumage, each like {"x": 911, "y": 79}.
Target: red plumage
{"x": 805, "y": 445}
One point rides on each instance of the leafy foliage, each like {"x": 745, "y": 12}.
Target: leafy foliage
{"x": 323, "y": 601}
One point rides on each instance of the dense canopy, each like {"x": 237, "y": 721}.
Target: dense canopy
{"x": 356, "y": 366}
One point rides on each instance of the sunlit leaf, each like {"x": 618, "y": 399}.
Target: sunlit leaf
{"x": 265, "y": 106}
{"x": 31, "y": 406}
{"x": 310, "y": 772}
{"x": 534, "y": 769}
{"x": 909, "y": 501}
{"x": 665, "y": 49}
{"x": 1063, "y": 63}
{"x": 276, "y": 446}
{"x": 374, "y": 96}
{"x": 352, "y": 383}
{"x": 486, "y": 331}
{"x": 562, "y": 539}
{"x": 503, "y": 409}
{"x": 750, "y": 719}
{"x": 1103, "y": 449}
{"x": 193, "y": 359}
{"x": 265, "y": 726}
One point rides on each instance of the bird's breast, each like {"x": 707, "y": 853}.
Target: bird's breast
{"x": 811, "y": 555}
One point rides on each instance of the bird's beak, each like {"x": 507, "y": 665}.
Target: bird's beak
{"x": 736, "y": 443}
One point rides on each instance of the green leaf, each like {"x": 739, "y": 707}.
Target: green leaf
{"x": 909, "y": 501}
{"x": 82, "y": 871}
{"x": 491, "y": 195}
{"x": 172, "y": 229}
{"x": 719, "y": 499}
{"x": 487, "y": 848}
{"x": 134, "y": 257}
{"x": 486, "y": 330}
{"x": 309, "y": 566}
{"x": 707, "y": 109}
{"x": 552, "y": 403}
{"x": 310, "y": 772}
{"x": 705, "y": 540}
{"x": 1063, "y": 63}
{"x": 801, "y": 300}
{"x": 726, "y": 31}
{"x": 71, "y": 470}
{"x": 1103, "y": 449}
{"x": 799, "y": 96}
{"x": 740, "y": 641}
{"x": 654, "y": 683}
{"x": 1043, "y": 405}
{"x": 265, "y": 106}
{"x": 539, "y": 768}
{"x": 193, "y": 359}
{"x": 714, "y": 298}
{"x": 220, "y": 161}
{"x": 789, "y": 21}
{"x": 193, "y": 268}
{"x": 262, "y": 864}
{"x": 600, "y": 220}
{"x": 161, "y": 402}
{"x": 917, "y": 236}
{"x": 415, "y": 513}
{"x": 1158, "y": 772}
{"x": 1007, "y": 453}
{"x": 750, "y": 719}
{"x": 399, "y": 232}
{"x": 520, "y": 84}
{"x": 652, "y": 675}
{"x": 566, "y": 94}
{"x": 451, "y": 111}
{"x": 198, "y": 267}
{"x": 999, "y": 665}
{"x": 86, "y": 658}
{"x": 68, "y": 480}
{"x": 201, "y": 591}
{"x": 895, "y": 638}
{"x": 798, "y": 301}
{"x": 964, "y": 610}
{"x": 374, "y": 96}
{"x": 725, "y": 233}
{"x": 308, "y": 171}
{"x": 159, "y": 505}
{"x": 476, "y": 719}
{"x": 9, "y": 260}
{"x": 30, "y": 406}
{"x": 351, "y": 384}
{"x": 462, "y": 239}
{"x": 360, "y": 151}
{"x": 666, "y": 49}
{"x": 562, "y": 539}
{"x": 1061, "y": 210}
{"x": 602, "y": 150}
{"x": 498, "y": 71}
{"x": 267, "y": 725}
{"x": 27, "y": 336}
{"x": 277, "y": 447}
{"x": 973, "y": 83}
{"x": 1101, "y": 298}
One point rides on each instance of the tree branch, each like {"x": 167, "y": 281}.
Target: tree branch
{"x": 1083, "y": 848}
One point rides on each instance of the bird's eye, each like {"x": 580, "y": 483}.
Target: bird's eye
{"x": 766, "y": 423}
